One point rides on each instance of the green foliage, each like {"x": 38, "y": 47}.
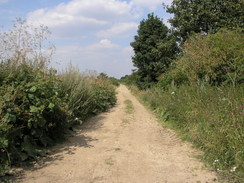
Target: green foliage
{"x": 154, "y": 50}
{"x": 112, "y": 80}
{"x": 130, "y": 79}
{"x": 207, "y": 16}
{"x": 31, "y": 113}
{"x": 103, "y": 96}
{"x": 210, "y": 117}
{"x": 214, "y": 58}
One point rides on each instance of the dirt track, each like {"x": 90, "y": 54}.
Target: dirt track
{"x": 120, "y": 147}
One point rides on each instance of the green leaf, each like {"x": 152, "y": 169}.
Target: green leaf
{"x": 7, "y": 97}
{"x": 28, "y": 147}
{"x": 33, "y": 89}
{"x": 3, "y": 142}
{"x": 51, "y": 105}
{"x": 9, "y": 118}
{"x": 33, "y": 109}
{"x": 31, "y": 96}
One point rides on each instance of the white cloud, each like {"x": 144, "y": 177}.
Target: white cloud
{"x": 103, "y": 56}
{"x": 96, "y": 25}
{"x": 119, "y": 30}
{"x": 78, "y": 17}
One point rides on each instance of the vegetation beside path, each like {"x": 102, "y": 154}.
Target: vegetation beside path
{"x": 39, "y": 106}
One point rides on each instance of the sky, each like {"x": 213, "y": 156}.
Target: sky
{"x": 89, "y": 34}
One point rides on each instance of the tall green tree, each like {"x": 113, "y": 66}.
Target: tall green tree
{"x": 154, "y": 49}
{"x": 205, "y": 15}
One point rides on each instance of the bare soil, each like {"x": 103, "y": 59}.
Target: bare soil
{"x": 121, "y": 147}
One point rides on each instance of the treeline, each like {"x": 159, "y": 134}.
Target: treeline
{"x": 38, "y": 106}
{"x": 192, "y": 76}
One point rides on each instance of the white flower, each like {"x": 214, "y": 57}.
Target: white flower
{"x": 172, "y": 93}
{"x": 215, "y": 161}
{"x": 233, "y": 169}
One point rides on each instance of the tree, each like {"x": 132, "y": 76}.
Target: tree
{"x": 102, "y": 75}
{"x": 154, "y": 49}
{"x": 205, "y": 15}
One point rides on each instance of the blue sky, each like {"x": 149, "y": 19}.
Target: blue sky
{"x": 91, "y": 34}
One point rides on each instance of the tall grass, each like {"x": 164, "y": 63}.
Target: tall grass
{"x": 77, "y": 89}
{"x": 86, "y": 95}
{"x": 210, "y": 117}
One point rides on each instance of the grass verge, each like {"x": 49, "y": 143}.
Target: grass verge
{"x": 209, "y": 117}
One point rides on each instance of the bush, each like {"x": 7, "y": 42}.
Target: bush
{"x": 103, "y": 96}
{"x": 32, "y": 113}
{"x": 214, "y": 58}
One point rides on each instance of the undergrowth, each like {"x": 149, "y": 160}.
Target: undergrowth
{"x": 210, "y": 117}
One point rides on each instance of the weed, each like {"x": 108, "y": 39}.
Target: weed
{"x": 125, "y": 121}
{"x": 117, "y": 149}
{"x": 129, "y": 109}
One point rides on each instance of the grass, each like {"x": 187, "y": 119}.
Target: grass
{"x": 209, "y": 117}
{"x": 117, "y": 149}
{"x": 109, "y": 162}
{"x": 129, "y": 109}
{"x": 125, "y": 121}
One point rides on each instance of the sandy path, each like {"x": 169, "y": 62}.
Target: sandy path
{"x": 121, "y": 148}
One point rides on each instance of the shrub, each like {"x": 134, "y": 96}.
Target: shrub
{"x": 32, "y": 113}
{"x": 215, "y": 58}
{"x": 103, "y": 96}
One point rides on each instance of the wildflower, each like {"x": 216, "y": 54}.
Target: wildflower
{"x": 76, "y": 119}
{"x": 224, "y": 99}
{"x": 215, "y": 161}
{"x": 233, "y": 169}
{"x": 172, "y": 93}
